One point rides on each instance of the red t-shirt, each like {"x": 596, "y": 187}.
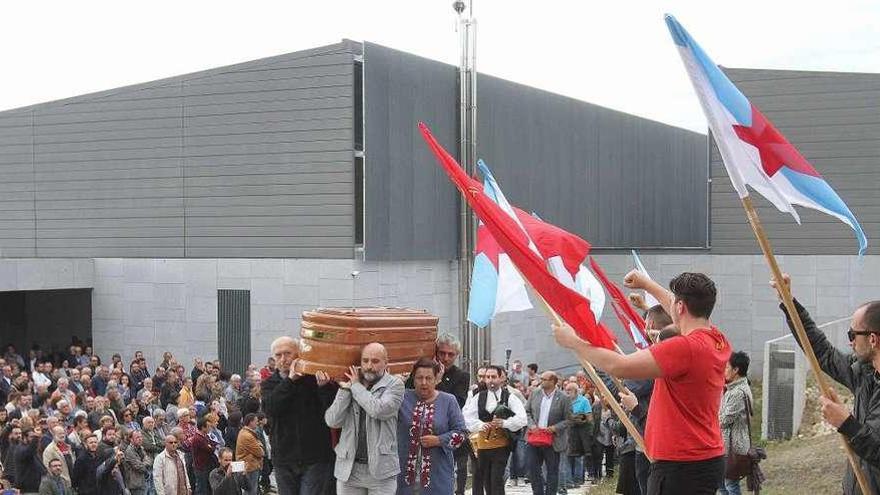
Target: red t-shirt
{"x": 683, "y": 416}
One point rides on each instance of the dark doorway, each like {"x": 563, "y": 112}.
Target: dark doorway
{"x": 234, "y": 329}
{"x": 50, "y": 319}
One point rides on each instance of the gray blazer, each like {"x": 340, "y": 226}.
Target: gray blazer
{"x": 560, "y": 415}
{"x": 381, "y": 404}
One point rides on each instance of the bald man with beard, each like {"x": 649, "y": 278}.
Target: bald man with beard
{"x": 295, "y": 404}
{"x": 365, "y": 409}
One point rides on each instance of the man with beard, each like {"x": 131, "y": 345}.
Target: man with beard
{"x": 295, "y": 405}
{"x": 59, "y": 450}
{"x": 108, "y": 441}
{"x": 53, "y": 483}
{"x": 28, "y": 467}
{"x": 9, "y": 440}
{"x": 136, "y": 465}
{"x": 859, "y": 372}
{"x": 365, "y": 408}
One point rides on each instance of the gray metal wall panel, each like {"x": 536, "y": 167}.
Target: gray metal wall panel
{"x": 255, "y": 157}
{"x": 834, "y": 120}
{"x": 613, "y": 178}
{"x": 17, "y": 191}
{"x": 410, "y": 205}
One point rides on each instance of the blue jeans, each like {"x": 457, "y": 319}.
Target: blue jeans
{"x": 518, "y": 465}
{"x": 729, "y": 487}
{"x": 202, "y": 485}
{"x": 253, "y": 478}
{"x": 571, "y": 470}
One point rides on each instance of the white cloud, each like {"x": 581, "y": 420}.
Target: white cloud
{"x": 617, "y": 54}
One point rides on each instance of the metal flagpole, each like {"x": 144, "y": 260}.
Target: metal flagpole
{"x": 477, "y": 345}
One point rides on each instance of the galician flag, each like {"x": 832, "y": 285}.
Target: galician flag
{"x": 496, "y": 285}
{"x": 650, "y": 300}
{"x": 513, "y": 238}
{"x": 755, "y": 153}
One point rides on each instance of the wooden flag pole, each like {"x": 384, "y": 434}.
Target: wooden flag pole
{"x": 600, "y": 384}
{"x": 785, "y": 294}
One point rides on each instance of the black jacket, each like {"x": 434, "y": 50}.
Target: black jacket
{"x": 862, "y": 429}
{"x": 85, "y": 474}
{"x": 29, "y": 469}
{"x": 455, "y": 381}
{"x": 295, "y": 409}
{"x": 107, "y": 481}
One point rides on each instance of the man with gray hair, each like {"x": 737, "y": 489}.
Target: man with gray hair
{"x": 233, "y": 391}
{"x": 365, "y": 409}
{"x": 301, "y": 449}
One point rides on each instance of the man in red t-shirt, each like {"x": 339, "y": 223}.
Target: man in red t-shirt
{"x": 682, "y": 434}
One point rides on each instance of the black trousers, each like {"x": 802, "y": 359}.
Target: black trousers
{"x": 627, "y": 484}
{"x": 643, "y": 466}
{"x": 489, "y": 478}
{"x": 538, "y": 458}
{"x": 693, "y": 478}
{"x": 462, "y": 455}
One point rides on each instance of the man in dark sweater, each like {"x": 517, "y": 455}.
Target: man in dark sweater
{"x": 29, "y": 469}
{"x": 84, "y": 476}
{"x": 302, "y": 454}
{"x": 857, "y": 371}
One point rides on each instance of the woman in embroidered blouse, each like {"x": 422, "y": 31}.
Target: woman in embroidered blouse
{"x": 429, "y": 428}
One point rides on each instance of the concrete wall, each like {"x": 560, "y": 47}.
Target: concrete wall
{"x": 747, "y": 310}
{"x": 171, "y": 304}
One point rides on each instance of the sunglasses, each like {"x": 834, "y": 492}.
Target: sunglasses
{"x": 851, "y": 334}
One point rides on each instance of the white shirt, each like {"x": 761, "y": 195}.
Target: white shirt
{"x": 472, "y": 418}
{"x": 546, "y": 402}
{"x": 41, "y": 379}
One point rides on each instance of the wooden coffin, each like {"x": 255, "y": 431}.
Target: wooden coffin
{"x": 331, "y": 339}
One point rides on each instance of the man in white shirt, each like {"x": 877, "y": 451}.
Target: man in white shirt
{"x": 480, "y": 416}
{"x": 548, "y": 409}
{"x": 41, "y": 376}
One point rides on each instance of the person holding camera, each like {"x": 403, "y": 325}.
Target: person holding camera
{"x": 228, "y": 478}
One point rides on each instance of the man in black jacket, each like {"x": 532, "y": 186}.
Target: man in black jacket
{"x": 29, "y": 469}
{"x": 859, "y": 372}
{"x": 295, "y": 404}
{"x": 453, "y": 381}
{"x": 85, "y": 470}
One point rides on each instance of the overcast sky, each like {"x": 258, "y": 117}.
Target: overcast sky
{"x": 615, "y": 54}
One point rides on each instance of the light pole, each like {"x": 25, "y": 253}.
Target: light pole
{"x": 477, "y": 344}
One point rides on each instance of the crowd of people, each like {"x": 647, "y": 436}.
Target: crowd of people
{"x": 73, "y": 424}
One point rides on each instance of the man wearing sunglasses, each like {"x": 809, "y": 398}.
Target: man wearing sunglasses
{"x": 860, "y": 373}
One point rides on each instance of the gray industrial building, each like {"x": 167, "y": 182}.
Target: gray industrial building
{"x": 203, "y": 213}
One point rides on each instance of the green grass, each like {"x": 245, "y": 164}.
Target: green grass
{"x": 793, "y": 467}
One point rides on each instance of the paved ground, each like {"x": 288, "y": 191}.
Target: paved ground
{"x": 527, "y": 490}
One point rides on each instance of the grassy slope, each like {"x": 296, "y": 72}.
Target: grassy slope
{"x": 793, "y": 467}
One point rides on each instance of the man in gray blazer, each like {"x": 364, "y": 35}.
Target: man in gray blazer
{"x": 550, "y": 409}
{"x": 365, "y": 408}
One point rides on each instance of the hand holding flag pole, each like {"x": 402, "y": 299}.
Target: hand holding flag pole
{"x": 561, "y": 302}
{"x": 600, "y": 384}
{"x": 755, "y": 154}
